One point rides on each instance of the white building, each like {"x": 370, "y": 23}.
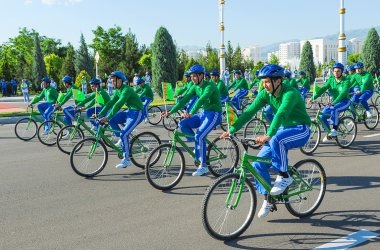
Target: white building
{"x": 253, "y": 53}
{"x": 354, "y": 46}
{"x": 196, "y": 54}
{"x": 289, "y": 52}
{"x": 323, "y": 50}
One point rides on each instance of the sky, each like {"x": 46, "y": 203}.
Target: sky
{"x": 190, "y": 23}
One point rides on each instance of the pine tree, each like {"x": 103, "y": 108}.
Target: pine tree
{"x": 130, "y": 65}
{"x": 164, "y": 61}
{"x": 307, "y": 61}
{"x": 68, "y": 67}
{"x": 83, "y": 61}
{"x": 38, "y": 68}
{"x": 370, "y": 54}
{"x": 229, "y": 55}
{"x": 237, "y": 59}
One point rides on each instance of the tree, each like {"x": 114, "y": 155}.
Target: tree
{"x": 229, "y": 55}
{"x": 68, "y": 67}
{"x": 353, "y": 58}
{"x": 237, "y": 59}
{"x": 132, "y": 55}
{"x": 182, "y": 60}
{"x": 39, "y": 68}
{"x": 53, "y": 66}
{"x": 258, "y": 66}
{"x": 78, "y": 79}
{"x": 164, "y": 61}
{"x": 83, "y": 61}
{"x": 51, "y": 45}
{"x": 273, "y": 59}
{"x": 212, "y": 58}
{"x": 5, "y": 62}
{"x": 145, "y": 62}
{"x": 370, "y": 54}
{"x": 307, "y": 61}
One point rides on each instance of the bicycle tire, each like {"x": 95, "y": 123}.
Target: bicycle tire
{"x": 31, "y": 128}
{"x": 49, "y": 139}
{"x": 314, "y": 139}
{"x": 141, "y": 146}
{"x": 171, "y": 122}
{"x": 80, "y": 157}
{"x": 315, "y": 176}
{"x": 371, "y": 123}
{"x": 154, "y": 115}
{"x": 214, "y": 207}
{"x": 222, "y": 159}
{"x": 254, "y": 128}
{"x": 66, "y": 145}
{"x": 159, "y": 176}
{"x": 347, "y": 126}
{"x": 308, "y": 104}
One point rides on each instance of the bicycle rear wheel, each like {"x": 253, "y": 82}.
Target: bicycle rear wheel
{"x": 165, "y": 167}
{"x": 254, "y": 128}
{"x": 48, "y": 135}
{"x": 88, "y": 157}
{"x": 305, "y": 203}
{"x": 26, "y": 129}
{"x": 347, "y": 130}
{"x": 154, "y": 115}
{"x": 222, "y": 156}
{"x": 221, "y": 217}
{"x": 68, "y": 137}
{"x": 371, "y": 123}
{"x": 141, "y": 147}
{"x": 314, "y": 139}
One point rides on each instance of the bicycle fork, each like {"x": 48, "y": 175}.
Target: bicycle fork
{"x": 240, "y": 182}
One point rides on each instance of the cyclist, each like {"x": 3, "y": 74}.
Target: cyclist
{"x": 146, "y": 95}
{"x": 182, "y": 92}
{"x": 72, "y": 91}
{"x": 238, "y": 84}
{"x": 207, "y": 76}
{"x": 364, "y": 80}
{"x": 132, "y": 117}
{"x": 256, "y": 82}
{"x": 289, "y": 129}
{"x": 206, "y": 120}
{"x": 220, "y": 85}
{"x": 338, "y": 87}
{"x": 305, "y": 84}
{"x": 289, "y": 80}
{"x": 98, "y": 96}
{"x": 51, "y": 96}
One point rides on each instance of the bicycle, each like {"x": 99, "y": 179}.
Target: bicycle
{"x": 358, "y": 113}
{"x": 165, "y": 165}
{"x": 229, "y": 204}
{"x": 154, "y": 115}
{"x": 347, "y": 131}
{"x": 257, "y": 126}
{"x": 233, "y": 112}
{"x": 26, "y": 128}
{"x": 89, "y": 156}
{"x": 49, "y": 137}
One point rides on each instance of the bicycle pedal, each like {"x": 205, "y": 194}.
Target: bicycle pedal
{"x": 274, "y": 208}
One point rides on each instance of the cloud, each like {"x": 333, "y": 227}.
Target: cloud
{"x": 59, "y": 2}
{"x": 28, "y": 2}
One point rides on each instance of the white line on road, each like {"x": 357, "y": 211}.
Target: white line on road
{"x": 350, "y": 240}
{"x": 373, "y": 135}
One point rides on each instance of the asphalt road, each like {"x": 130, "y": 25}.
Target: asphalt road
{"x": 45, "y": 205}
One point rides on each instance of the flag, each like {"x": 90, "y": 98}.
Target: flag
{"x": 231, "y": 117}
{"x": 78, "y": 95}
{"x": 60, "y": 97}
{"x": 167, "y": 90}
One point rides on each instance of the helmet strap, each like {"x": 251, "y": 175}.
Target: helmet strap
{"x": 274, "y": 89}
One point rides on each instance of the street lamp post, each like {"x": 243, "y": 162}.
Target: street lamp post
{"x": 96, "y": 65}
{"x": 221, "y": 28}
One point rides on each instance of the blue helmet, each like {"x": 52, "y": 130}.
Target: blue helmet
{"x": 338, "y": 65}
{"x": 288, "y": 74}
{"x": 196, "y": 69}
{"x": 214, "y": 72}
{"x": 359, "y": 65}
{"x": 271, "y": 70}
{"x": 351, "y": 67}
{"x": 345, "y": 71}
{"x": 207, "y": 73}
{"x": 302, "y": 73}
{"x": 95, "y": 81}
{"x": 237, "y": 71}
{"x": 46, "y": 79}
{"x": 140, "y": 80}
{"x": 119, "y": 74}
{"x": 67, "y": 79}
{"x": 186, "y": 74}
{"x": 257, "y": 72}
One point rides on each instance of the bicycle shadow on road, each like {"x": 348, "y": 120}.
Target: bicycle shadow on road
{"x": 348, "y": 221}
{"x": 359, "y": 148}
{"x": 137, "y": 176}
{"x": 353, "y": 182}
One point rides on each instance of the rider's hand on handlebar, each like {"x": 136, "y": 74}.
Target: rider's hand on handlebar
{"x": 186, "y": 115}
{"x": 103, "y": 119}
{"x": 224, "y": 134}
{"x": 262, "y": 139}
{"x": 165, "y": 113}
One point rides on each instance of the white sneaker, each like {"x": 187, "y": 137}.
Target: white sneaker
{"x": 325, "y": 139}
{"x": 201, "y": 171}
{"x": 368, "y": 114}
{"x": 265, "y": 209}
{"x": 146, "y": 120}
{"x": 118, "y": 143}
{"x": 333, "y": 133}
{"x": 280, "y": 185}
{"x": 124, "y": 163}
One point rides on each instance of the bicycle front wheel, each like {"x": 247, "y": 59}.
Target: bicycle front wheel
{"x": 154, "y": 115}
{"x": 371, "y": 123}
{"x": 26, "y": 129}
{"x": 347, "y": 131}
{"x": 171, "y": 122}
{"x": 228, "y": 207}
{"x": 314, "y": 139}
{"x": 222, "y": 156}
{"x": 48, "y": 131}
{"x": 254, "y": 128}
{"x": 165, "y": 167}
{"x": 88, "y": 157}
{"x": 141, "y": 146}
{"x": 305, "y": 203}
{"x": 68, "y": 137}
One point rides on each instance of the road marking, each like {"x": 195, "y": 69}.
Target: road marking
{"x": 350, "y": 240}
{"x": 373, "y": 135}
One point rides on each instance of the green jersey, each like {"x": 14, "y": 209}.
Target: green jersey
{"x": 255, "y": 82}
{"x": 186, "y": 87}
{"x": 208, "y": 98}
{"x": 291, "y": 82}
{"x": 124, "y": 95}
{"x": 92, "y": 98}
{"x": 288, "y": 106}
{"x": 364, "y": 81}
{"x": 239, "y": 84}
{"x": 223, "y": 91}
{"x": 69, "y": 94}
{"x": 49, "y": 93}
{"x": 305, "y": 82}
{"x": 338, "y": 90}
{"x": 144, "y": 91}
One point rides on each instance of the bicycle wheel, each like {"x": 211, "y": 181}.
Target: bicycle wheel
{"x": 325, "y": 99}
{"x": 305, "y": 203}
{"x": 154, "y": 115}
{"x": 347, "y": 130}
{"x": 68, "y": 137}
{"x": 48, "y": 135}
{"x": 314, "y": 139}
{"x": 165, "y": 167}
{"x": 222, "y": 156}
{"x": 307, "y": 103}
{"x": 26, "y": 129}
{"x": 375, "y": 98}
{"x": 223, "y": 123}
{"x": 141, "y": 146}
{"x": 221, "y": 217}
{"x": 371, "y": 123}
{"x": 88, "y": 157}
{"x": 171, "y": 122}
{"x": 254, "y": 128}
{"x": 377, "y": 102}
